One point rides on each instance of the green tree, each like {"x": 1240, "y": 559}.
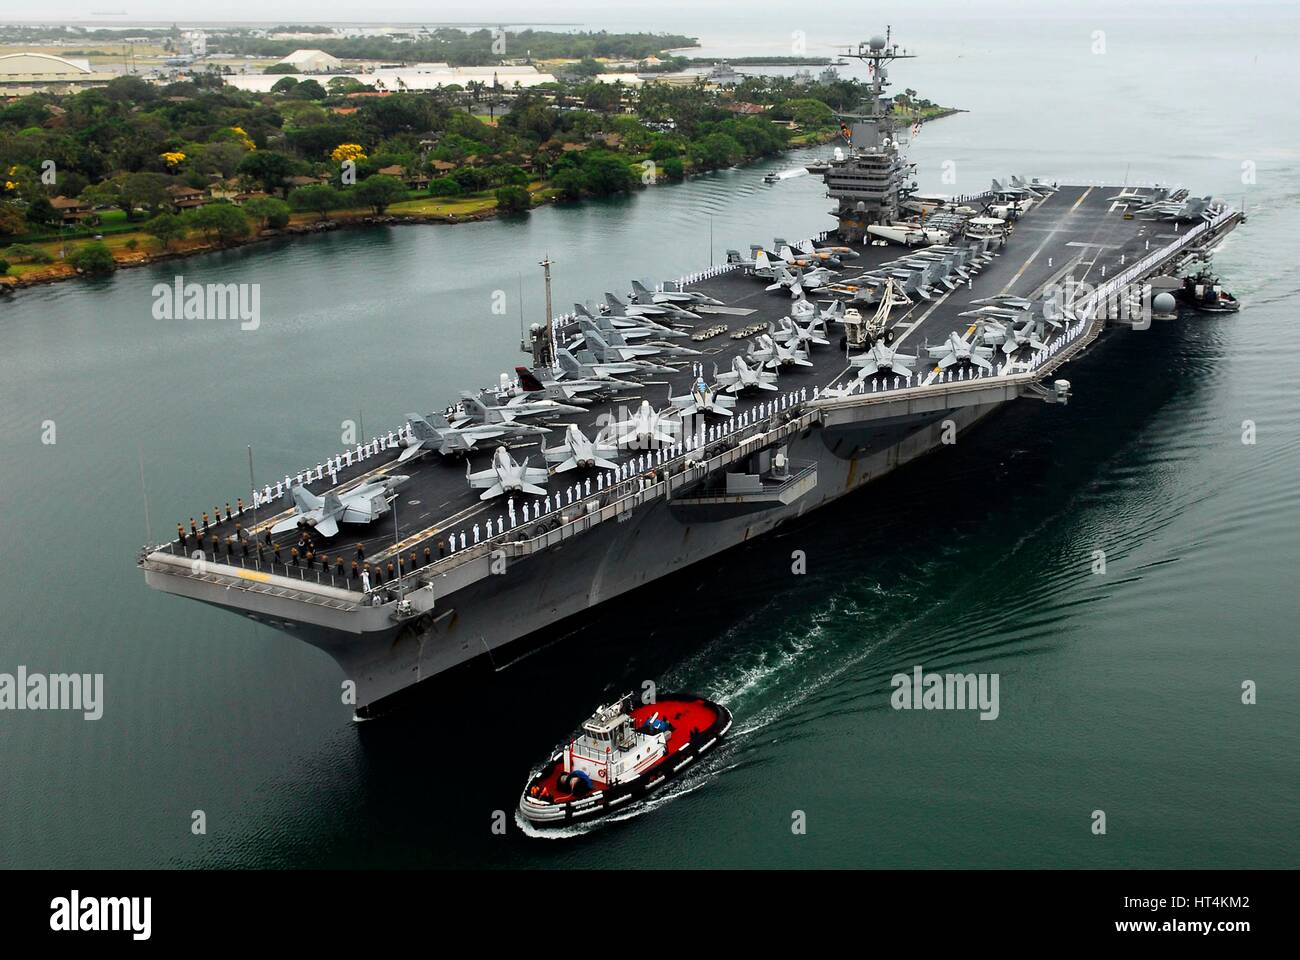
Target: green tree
{"x": 166, "y": 228}
{"x": 318, "y": 197}
{"x": 674, "y": 169}
{"x": 268, "y": 168}
{"x": 470, "y": 179}
{"x": 147, "y": 191}
{"x": 606, "y": 174}
{"x": 570, "y": 181}
{"x": 665, "y": 148}
{"x": 222, "y": 221}
{"x": 268, "y": 211}
{"x": 308, "y": 90}
{"x": 22, "y": 252}
{"x": 444, "y": 187}
{"x": 513, "y": 199}
{"x": 93, "y": 258}
{"x": 716, "y": 150}
{"x": 42, "y": 213}
{"x": 378, "y": 192}
{"x": 284, "y": 85}
{"x": 12, "y": 221}
{"x": 4, "y": 266}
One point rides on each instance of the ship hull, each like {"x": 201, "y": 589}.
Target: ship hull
{"x": 612, "y": 560}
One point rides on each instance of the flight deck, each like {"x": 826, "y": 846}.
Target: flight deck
{"x": 1074, "y": 234}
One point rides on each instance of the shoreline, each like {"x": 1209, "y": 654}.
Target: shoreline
{"x": 60, "y": 272}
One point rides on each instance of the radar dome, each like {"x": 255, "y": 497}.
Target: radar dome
{"x": 876, "y": 43}
{"x": 1164, "y": 303}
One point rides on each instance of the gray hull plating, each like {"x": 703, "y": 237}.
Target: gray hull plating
{"x": 614, "y": 558}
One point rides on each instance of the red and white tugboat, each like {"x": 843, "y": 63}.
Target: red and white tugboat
{"x": 620, "y": 755}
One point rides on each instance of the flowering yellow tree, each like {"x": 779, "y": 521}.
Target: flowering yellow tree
{"x": 244, "y": 138}
{"x": 173, "y": 158}
{"x": 347, "y": 151}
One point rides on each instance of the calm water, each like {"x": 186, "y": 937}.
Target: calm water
{"x": 1118, "y": 692}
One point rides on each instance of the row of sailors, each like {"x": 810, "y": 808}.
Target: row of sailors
{"x": 307, "y": 558}
{"x": 641, "y": 465}
{"x": 642, "y": 468}
{"x": 333, "y": 466}
{"x": 393, "y": 438}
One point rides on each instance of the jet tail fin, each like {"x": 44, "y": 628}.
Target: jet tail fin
{"x": 568, "y": 362}
{"x": 304, "y": 499}
{"x": 421, "y": 429}
{"x": 528, "y": 380}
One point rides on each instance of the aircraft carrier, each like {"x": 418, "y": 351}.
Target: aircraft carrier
{"x": 900, "y": 350}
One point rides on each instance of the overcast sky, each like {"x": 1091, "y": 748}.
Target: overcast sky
{"x": 663, "y": 15}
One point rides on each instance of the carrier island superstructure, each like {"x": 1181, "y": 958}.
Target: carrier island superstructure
{"x": 457, "y": 572}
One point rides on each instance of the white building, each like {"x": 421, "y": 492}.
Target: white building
{"x": 313, "y": 61}
{"x": 26, "y": 73}
{"x": 419, "y": 76}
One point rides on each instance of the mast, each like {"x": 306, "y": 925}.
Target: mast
{"x": 870, "y": 181}
{"x": 545, "y": 264}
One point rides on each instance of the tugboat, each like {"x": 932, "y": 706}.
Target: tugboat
{"x": 1203, "y": 293}
{"x": 621, "y": 755}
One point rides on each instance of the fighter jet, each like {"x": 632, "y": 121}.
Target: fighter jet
{"x": 476, "y": 409}
{"x": 703, "y": 399}
{"x": 535, "y": 384}
{"x": 362, "y": 504}
{"x": 448, "y": 440}
{"x": 742, "y": 376}
{"x": 632, "y": 327}
{"x": 955, "y": 350}
{"x": 771, "y": 354}
{"x": 1132, "y": 198}
{"x": 617, "y": 307}
{"x": 838, "y": 252}
{"x": 1004, "y": 300}
{"x": 1033, "y": 188}
{"x": 507, "y": 476}
{"x": 599, "y": 353}
{"x": 579, "y": 453}
{"x": 800, "y": 280}
{"x": 996, "y": 313}
{"x": 613, "y": 342}
{"x": 883, "y": 359}
{"x": 1011, "y": 338}
{"x": 1186, "y": 211}
{"x": 641, "y": 295}
{"x": 789, "y": 332}
{"x": 603, "y": 373}
{"x": 645, "y": 429}
{"x": 806, "y": 256}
